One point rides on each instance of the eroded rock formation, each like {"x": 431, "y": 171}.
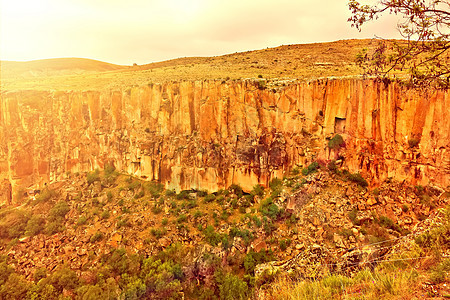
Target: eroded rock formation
{"x": 210, "y": 134}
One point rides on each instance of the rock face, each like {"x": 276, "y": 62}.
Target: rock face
{"x": 210, "y": 134}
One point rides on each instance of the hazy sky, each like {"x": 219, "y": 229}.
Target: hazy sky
{"x": 144, "y": 31}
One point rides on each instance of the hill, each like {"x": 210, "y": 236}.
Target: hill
{"x": 303, "y": 61}
{"x": 53, "y": 67}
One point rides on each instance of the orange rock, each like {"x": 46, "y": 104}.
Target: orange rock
{"x": 208, "y": 134}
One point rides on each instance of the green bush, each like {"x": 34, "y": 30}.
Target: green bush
{"x": 440, "y": 273}
{"x": 183, "y": 195}
{"x": 275, "y": 184}
{"x": 156, "y": 209}
{"x": 211, "y": 236}
{"x": 311, "y": 168}
{"x": 110, "y": 175}
{"x": 82, "y": 220}
{"x": 284, "y": 243}
{"x": 59, "y": 210}
{"x": 155, "y": 189}
{"x": 109, "y": 169}
{"x": 133, "y": 185}
{"x": 270, "y": 209}
{"x": 15, "y": 287}
{"x": 106, "y": 214}
{"x": 182, "y": 218}
{"x": 357, "y": 178}
{"x": 252, "y": 259}
{"x": 210, "y": 198}
{"x": 162, "y": 278}
{"x": 45, "y": 195}
{"x": 232, "y": 287}
{"x": 336, "y": 142}
{"x": 158, "y": 233}
{"x": 352, "y": 215}
{"x": 236, "y": 189}
{"x": 92, "y": 177}
{"x": 35, "y": 225}
{"x": 98, "y": 236}
{"x": 13, "y": 224}
{"x": 54, "y": 227}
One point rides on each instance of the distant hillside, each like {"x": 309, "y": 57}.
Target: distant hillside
{"x": 303, "y": 62}
{"x": 55, "y": 66}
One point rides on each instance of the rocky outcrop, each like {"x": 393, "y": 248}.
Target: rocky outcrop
{"x": 210, "y": 134}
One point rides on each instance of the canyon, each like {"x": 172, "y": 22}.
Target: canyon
{"x": 207, "y": 135}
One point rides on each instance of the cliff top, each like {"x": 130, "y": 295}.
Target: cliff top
{"x": 303, "y": 61}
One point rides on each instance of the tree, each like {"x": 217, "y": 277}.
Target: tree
{"x": 423, "y": 55}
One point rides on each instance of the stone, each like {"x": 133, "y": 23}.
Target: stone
{"x": 371, "y": 201}
{"x": 162, "y": 119}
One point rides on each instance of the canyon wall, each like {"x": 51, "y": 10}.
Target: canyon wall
{"x": 210, "y": 134}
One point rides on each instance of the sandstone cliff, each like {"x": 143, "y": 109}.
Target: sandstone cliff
{"x": 210, "y": 134}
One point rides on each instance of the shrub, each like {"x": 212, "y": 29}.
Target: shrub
{"x": 109, "y": 169}
{"x": 275, "y": 184}
{"x": 236, "y": 189}
{"x": 441, "y": 272}
{"x": 197, "y": 214}
{"x": 59, "y": 210}
{"x": 155, "y": 189}
{"x": 332, "y": 167}
{"x": 352, "y": 215}
{"x": 182, "y": 218}
{"x": 39, "y": 274}
{"x": 140, "y": 194}
{"x": 110, "y": 174}
{"x": 109, "y": 195}
{"x": 92, "y": 177}
{"x": 164, "y": 221}
{"x": 122, "y": 223}
{"x": 232, "y": 287}
{"x": 211, "y": 236}
{"x": 252, "y": 259}
{"x": 15, "y": 287}
{"x": 385, "y": 221}
{"x": 63, "y": 278}
{"x": 133, "y": 185}
{"x": 210, "y": 198}
{"x": 54, "y": 227}
{"x": 98, "y": 236}
{"x": 270, "y": 209}
{"x": 156, "y": 210}
{"x": 336, "y": 142}
{"x": 45, "y": 195}
{"x": 202, "y": 193}
{"x": 34, "y": 226}
{"x": 158, "y": 233}
{"x": 284, "y": 244}
{"x": 312, "y": 168}
{"x": 82, "y": 220}
{"x": 13, "y": 224}
{"x": 105, "y": 214}
{"x": 268, "y": 226}
{"x": 357, "y": 178}
{"x": 405, "y": 208}
{"x": 183, "y": 195}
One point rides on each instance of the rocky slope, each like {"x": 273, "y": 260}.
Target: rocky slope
{"x": 102, "y": 229}
{"x": 211, "y": 134}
